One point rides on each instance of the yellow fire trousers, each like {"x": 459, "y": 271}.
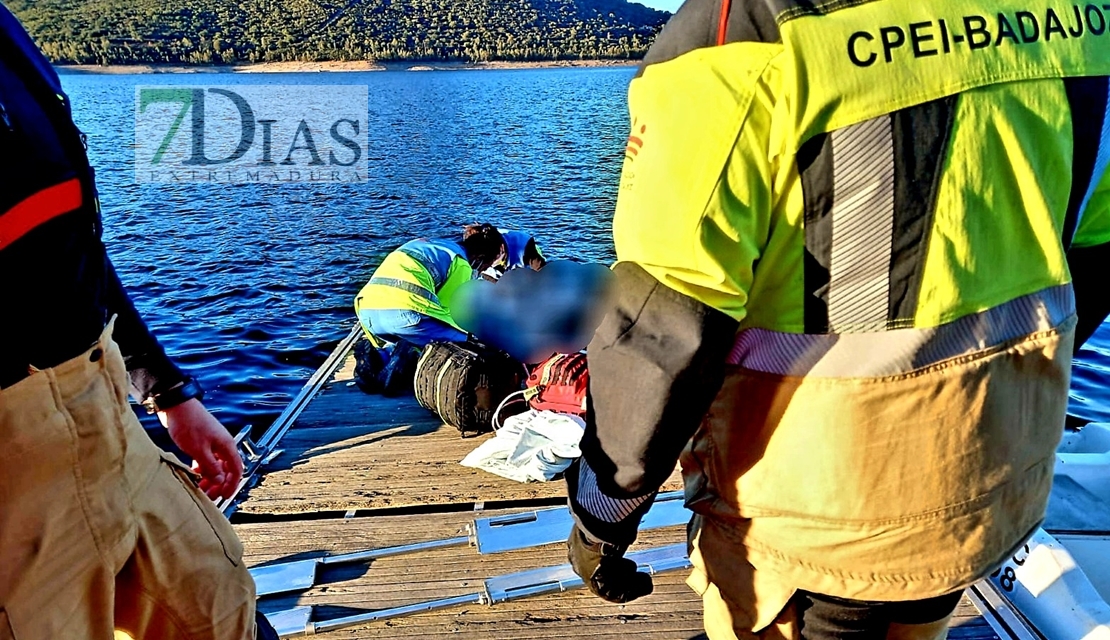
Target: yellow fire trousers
{"x": 99, "y": 530}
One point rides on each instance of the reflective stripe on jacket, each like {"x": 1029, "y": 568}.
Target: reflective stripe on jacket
{"x": 881, "y": 195}
{"x": 421, "y": 275}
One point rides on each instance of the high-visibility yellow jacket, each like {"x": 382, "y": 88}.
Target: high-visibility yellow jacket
{"x": 420, "y": 275}
{"x": 842, "y": 238}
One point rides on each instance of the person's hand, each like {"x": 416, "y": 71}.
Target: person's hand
{"x": 208, "y": 443}
{"x": 605, "y": 570}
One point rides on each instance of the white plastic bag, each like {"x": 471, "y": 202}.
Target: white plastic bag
{"x": 533, "y": 446}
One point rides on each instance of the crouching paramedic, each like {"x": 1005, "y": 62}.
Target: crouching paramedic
{"x": 853, "y": 241}
{"x": 409, "y": 295}
{"x": 99, "y": 530}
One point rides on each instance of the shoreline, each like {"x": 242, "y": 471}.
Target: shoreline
{"x": 332, "y": 66}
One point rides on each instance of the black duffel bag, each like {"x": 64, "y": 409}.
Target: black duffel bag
{"x": 464, "y": 382}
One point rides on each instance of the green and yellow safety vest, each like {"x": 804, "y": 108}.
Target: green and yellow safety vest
{"x": 420, "y": 275}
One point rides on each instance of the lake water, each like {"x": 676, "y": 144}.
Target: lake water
{"x": 251, "y": 286}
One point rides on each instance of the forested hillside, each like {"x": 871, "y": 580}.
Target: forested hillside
{"x": 234, "y": 31}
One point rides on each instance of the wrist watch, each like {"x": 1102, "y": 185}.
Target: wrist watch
{"x": 172, "y": 397}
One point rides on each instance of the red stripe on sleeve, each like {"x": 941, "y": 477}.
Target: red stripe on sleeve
{"x": 39, "y": 208}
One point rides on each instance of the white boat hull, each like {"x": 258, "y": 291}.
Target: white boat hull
{"x": 1060, "y": 581}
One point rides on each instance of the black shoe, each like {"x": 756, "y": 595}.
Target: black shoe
{"x": 396, "y": 378}
{"x": 264, "y": 630}
{"x": 368, "y": 366}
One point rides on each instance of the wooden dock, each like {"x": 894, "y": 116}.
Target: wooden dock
{"x": 361, "y": 472}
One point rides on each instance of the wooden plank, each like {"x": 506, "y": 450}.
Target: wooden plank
{"x": 968, "y": 624}
{"x": 672, "y": 611}
{"x": 350, "y": 450}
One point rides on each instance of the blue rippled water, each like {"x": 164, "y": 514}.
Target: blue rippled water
{"x": 1090, "y": 382}
{"x": 250, "y": 286}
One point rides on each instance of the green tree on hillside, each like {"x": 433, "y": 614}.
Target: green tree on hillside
{"x": 220, "y": 31}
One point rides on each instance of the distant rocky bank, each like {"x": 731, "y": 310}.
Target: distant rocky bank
{"x": 215, "y": 32}
{"x": 335, "y": 66}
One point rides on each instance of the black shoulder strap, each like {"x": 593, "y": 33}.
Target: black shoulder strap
{"x": 19, "y": 54}
{"x": 1087, "y": 98}
{"x": 707, "y": 23}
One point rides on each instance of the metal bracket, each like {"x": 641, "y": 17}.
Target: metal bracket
{"x": 254, "y": 456}
{"x": 301, "y": 574}
{"x": 561, "y": 578}
{"x": 250, "y": 452}
{"x": 291, "y": 622}
{"x": 1006, "y": 621}
{"x": 490, "y": 535}
{"x": 264, "y": 451}
{"x": 295, "y": 622}
{"x": 548, "y": 526}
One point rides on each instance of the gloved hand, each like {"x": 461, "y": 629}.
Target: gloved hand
{"x": 605, "y": 570}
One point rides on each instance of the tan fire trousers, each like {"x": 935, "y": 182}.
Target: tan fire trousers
{"x": 764, "y": 601}
{"x": 99, "y": 530}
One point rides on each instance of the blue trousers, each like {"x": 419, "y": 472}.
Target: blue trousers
{"x": 392, "y": 325}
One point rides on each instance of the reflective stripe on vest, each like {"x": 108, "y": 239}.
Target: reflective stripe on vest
{"x": 886, "y": 353}
{"x": 407, "y": 286}
{"x": 403, "y": 282}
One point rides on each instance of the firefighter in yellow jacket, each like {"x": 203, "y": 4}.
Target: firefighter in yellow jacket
{"x": 857, "y": 243}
